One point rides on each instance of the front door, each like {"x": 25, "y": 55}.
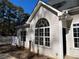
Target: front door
{"x": 23, "y": 37}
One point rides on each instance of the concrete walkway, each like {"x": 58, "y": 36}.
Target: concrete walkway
{"x": 70, "y": 57}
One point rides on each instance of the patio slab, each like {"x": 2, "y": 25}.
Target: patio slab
{"x": 70, "y": 57}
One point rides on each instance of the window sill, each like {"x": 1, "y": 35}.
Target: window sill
{"x": 42, "y": 46}
{"x": 75, "y": 48}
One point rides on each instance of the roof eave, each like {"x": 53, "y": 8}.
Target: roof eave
{"x": 73, "y": 11}
{"x": 40, "y": 3}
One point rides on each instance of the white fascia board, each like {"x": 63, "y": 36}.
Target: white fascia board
{"x": 38, "y": 6}
{"x": 59, "y": 13}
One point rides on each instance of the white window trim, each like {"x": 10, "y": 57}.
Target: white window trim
{"x": 74, "y": 37}
{"x": 43, "y": 46}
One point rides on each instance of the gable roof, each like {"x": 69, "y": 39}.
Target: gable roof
{"x": 40, "y": 3}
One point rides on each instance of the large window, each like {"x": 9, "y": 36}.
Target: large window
{"x": 42, "y": 32}
{"x": 76, "y": 35}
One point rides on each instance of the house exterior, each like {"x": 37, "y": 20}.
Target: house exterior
{"x": 42, "y": 22}
{"x": 72, "y": 36}
{"x": 52, "y": 33}
{"x": 20, "y": 39}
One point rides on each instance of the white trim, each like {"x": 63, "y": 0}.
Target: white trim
{"x": 44, "y": 37}
{"x": 61, "y": 40}
{"x": 73, "y": 35}
{"x": 59, "y": 13}
{"x": 38, "y": 6}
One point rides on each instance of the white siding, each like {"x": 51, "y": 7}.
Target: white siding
{"x": 20, "y": 43}
{"x": 55, "y": 50}
{"x": 71, "y": 50}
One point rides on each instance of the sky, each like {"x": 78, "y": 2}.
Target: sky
{"x": 27, "y": 5}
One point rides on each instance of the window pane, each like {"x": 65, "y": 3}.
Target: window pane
{"x": 41, "y": 30}
{"x": 78, "y": 34}
{"x": 77, "y": 24}
{"x": 47, "y": 34}
{"x": 36, "y": 32}
{"x": 47, "y": 39}
{"x": 75, "y": 40}
{"x": 41, "y": 34}
{"x": 41, "y": 41}
{"x": 24, "y": 38}
{"x": 75, "y": 29}
{"x": 78, "y": 29}
{"x": 46, "y": 30}
{"x": 36, "y": 40}
{"x": 47, "y": 42}
{"x": 42, "y": 23}
{"x": 75, "y": 35}
{"x": 74, "y": 24}
{"x": 76, "y": 45}
{"x": 78, "y": 40}
{"x": 23, "y": 35}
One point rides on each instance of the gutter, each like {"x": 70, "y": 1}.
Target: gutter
{"x": 73, "y": 11}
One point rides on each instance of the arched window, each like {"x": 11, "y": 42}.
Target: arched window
{"x": 42, "y": 32}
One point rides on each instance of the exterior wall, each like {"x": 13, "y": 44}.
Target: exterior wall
{"x": 19, "y": 42}
{"x": 71, "y": 50}
{"x": 55, "y": 50}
